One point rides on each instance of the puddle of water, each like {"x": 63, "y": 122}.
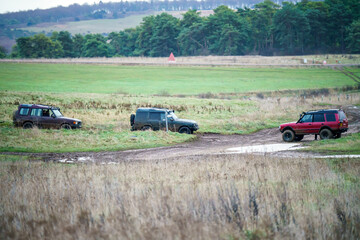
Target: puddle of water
{"x": 267, "y": 148}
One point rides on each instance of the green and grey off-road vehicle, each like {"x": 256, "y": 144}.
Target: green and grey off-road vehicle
{"x": 154, "y": 118}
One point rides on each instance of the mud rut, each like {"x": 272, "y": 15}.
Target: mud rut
{"x": 206, "y": 144}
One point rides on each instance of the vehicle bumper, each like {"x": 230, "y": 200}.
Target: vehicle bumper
{"x": 76, "y": 126}
{"x": 343, "y": 130}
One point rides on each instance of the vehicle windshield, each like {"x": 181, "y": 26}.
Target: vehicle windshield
{"x": 172, "y": 114}
{"x": 57, "y": 113}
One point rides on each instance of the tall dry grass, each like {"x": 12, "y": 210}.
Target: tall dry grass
{"x": 213, "y": 197}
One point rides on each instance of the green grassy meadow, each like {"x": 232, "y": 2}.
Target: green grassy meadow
{"x": 345, "y": 145}
{"x": 145, "y": 80}
{"x": 104, "y": 96}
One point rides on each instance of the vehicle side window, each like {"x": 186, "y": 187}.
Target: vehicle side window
{"x": 46, "y": 112}
{"x": 330, "y": 117}
{"x": 155, "y": 116}
{"x": 36, "y": 112}
{"x": 319, "y": 118}
{"x": 141, "y": 116}
{"x": 307, "y": 118}
{"x": 24, "y": 111}
{"x": 342, "y": 116}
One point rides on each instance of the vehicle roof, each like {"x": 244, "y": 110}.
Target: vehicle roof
{"x": 153, "y": 109}
{"x": 37, "y": 106}
{"x": 325, "y": 111}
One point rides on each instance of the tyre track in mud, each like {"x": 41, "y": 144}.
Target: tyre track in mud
{"x": 206, "y": 144}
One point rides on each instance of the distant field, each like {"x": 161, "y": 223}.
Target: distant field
{"x": 91, "y": 26}
{"x": 147, "y": 80}
{"x": 101, "y": 25}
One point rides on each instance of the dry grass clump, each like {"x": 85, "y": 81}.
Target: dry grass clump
{"x": 212, "y": 197}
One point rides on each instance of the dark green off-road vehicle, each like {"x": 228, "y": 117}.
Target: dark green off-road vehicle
{"x": 154, "y": 118}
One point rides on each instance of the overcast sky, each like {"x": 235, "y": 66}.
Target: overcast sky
{"x": 20, "y": 5}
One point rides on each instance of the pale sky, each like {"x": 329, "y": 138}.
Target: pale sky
{"x": 20, "y": 5}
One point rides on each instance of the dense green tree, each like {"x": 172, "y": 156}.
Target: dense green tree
{"x": 95, "y": 46}
{"x": 38, "y": 46}
{"x": 165, "y": 32}
{"x": 123, "y": 42}
{"x": 64, "y": 37}
{"x": 193, "y": 41}
{"x": 143, "y": 43}
{"x": 353, "y": 39}
{"x": 2, "y": 52}
{"x": 189, "y": 18}
{"x": 78, "y": 42}
{"x": 261, "y": 26}
{"x": 339, "y": 19}
{"x": 222, "y": 27}
{"x": 192, "y": 37}
{"x": 291, "y": 28}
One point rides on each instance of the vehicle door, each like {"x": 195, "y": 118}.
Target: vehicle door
{"x": 155, "y": 120}
{"x": 318, "y": 122}
{"x": 46, "y": 120}
{"x": 24, "y": 115}
{"x": 304, "y": 125}
{"x": 36, "y": 116}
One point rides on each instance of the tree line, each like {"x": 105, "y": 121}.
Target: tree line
{"x": 76, "y": 12}
{"x": 331, "y": 26}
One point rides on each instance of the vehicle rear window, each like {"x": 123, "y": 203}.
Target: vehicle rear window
{"x": 342, "y": 116}
{"x": 319, "y": 118}
{"x": 24, "y": 111}
{"x": 330, "y": 117}
{"x": 155, "y": 116}
{"x": 36, "y": 112}
{"x": 141, "y": 116}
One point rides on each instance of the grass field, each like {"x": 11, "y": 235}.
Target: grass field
{"x": 103, "y": 97}
{"x": 345, "y": 145}
{"x": 145, "y": 80}
{"x": 217, "y": 197}
{"x": 213, "y": 197}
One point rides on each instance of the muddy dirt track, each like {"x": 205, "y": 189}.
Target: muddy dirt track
{"x": 206, "y": 144}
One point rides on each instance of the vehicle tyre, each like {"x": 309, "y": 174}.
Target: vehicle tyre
{"x": 299, "y": 137}
{"x": 28, "y": 125}
{"x": 338, "y": 135}
{"x": 66, "y": 126}
{"x": 132, "y": 119}
{"x": 325, "y": 134}
{"x": 145, "y": 128}
{"x": 185, "y": 130}
{"x": 288, "y": 136}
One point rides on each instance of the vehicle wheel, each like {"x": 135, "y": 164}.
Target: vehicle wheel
{"x": 145, "y": 128}
{"x": 132, "y": 119}
{"x": 185, "y": 130}
{"x": 288, "y": 136}
{"x": 325, "y": 134}
{"x": 66, "y": 126}
{"x": 28, "y": 125}
{"x": 338, "y": 135}
{"x": 299, "y": 137}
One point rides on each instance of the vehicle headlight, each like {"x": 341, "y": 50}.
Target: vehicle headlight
{"x": 75, "y": 123}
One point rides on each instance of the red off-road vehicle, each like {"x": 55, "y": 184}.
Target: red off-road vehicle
{"x": 326, "y": 123}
